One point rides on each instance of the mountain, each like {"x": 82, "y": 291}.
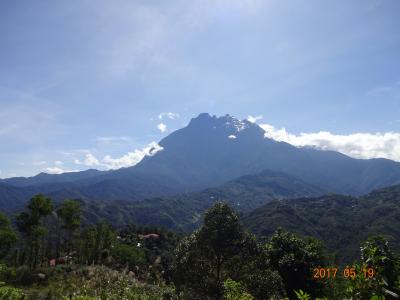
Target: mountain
{"x": 12, "y": 198}
{"x": 183, "y": 211}
{"x": 341, "y": 222}
{"x": 207, "y": 153}
{"x": 44, "y": 178}
{"x": 211, "y": 151}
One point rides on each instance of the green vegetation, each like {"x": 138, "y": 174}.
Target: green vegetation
{"x": 342, "y": 223}
{"x": 182, "y": 212}
{"x": 219, "y": 251}
{"x": 56, "y": 257}
{"x": 10, "y": 293}
{"x": 7, "y": 236}
{"x": 31, "y": 226}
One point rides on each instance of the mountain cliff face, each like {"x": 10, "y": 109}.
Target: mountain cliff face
{"x": 209, "y": 152}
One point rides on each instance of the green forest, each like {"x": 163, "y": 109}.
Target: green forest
{"x": 48, "y": 252}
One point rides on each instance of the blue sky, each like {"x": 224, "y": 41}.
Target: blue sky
{"x": 83, "y": 83}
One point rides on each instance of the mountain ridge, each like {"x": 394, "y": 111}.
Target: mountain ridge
{"x": 182, "y": 211}
{"x": 209, "y": 152}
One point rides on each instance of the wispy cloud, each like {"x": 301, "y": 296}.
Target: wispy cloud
{"x": 113, "y": 139}
{"x": 25, "y": 117}
{"x": 358, "y": 145}
{"x": 169, "y": 115}
{"x": 39, "y": 163}
{"x": 144, "y": 36}
{"x": 391, "y": 90}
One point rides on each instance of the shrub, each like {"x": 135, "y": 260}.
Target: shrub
{"x": 235, "y": 291}
{"x": 10, "y": 293}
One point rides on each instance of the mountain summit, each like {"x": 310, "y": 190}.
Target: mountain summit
{"x": 210, "y": 151}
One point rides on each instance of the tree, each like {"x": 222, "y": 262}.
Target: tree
{"x": 8, "y": 236}
{"x": 30, "y": 225}
{"x": 220, "y": 239}
{"x": 96, "y": 243}
{"x": 219, "y": 251}
{"x": 235, "y": 291}
{"x": 376, "y": 254}
{"x": 70, "y": 214}
{"x": 295, "y": 259}
{"x": 192, "y": 272}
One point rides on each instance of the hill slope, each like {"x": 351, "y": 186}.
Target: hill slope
{"x": 341, "y": 222}
{"x": 184, "y": 210}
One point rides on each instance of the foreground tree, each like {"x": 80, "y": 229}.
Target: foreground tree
{"x": 69, "y": 213}
{"x": 219, "y": 251}
{"x": 295, "y": 259}
{"x": 376, "y": 254}
{"x": 30, "y": 224}
{"x": 8, "y": 237}
{"x": 95, "y": 243}
{"x": 220, "y": 240}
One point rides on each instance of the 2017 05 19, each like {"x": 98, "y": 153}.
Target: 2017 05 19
{"x": 349, "y": 272}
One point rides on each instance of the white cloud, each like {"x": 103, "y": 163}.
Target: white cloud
{"x": 358, "y": 145}
{"x": 127, "y": 160}
{"x": 57, "y": 170}
{"x": 90, "y": 160}
{"x": 169, "y": 115}
{"x": 54, "y": 170}
{"x": 252, "y": 119}
{"x": 162, "y": 127}
{"x": 232, "y": 136}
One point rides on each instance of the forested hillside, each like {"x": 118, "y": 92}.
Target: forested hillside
{"x": 183, "y": 211}
{"x": 342, "y": 222}
{"x": 54, "y": 256}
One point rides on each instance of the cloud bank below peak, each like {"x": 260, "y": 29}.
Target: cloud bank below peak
{"x": 57, "y": 170}
{"x": 357, "y": 145}
{"x": 127, "y": 160}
